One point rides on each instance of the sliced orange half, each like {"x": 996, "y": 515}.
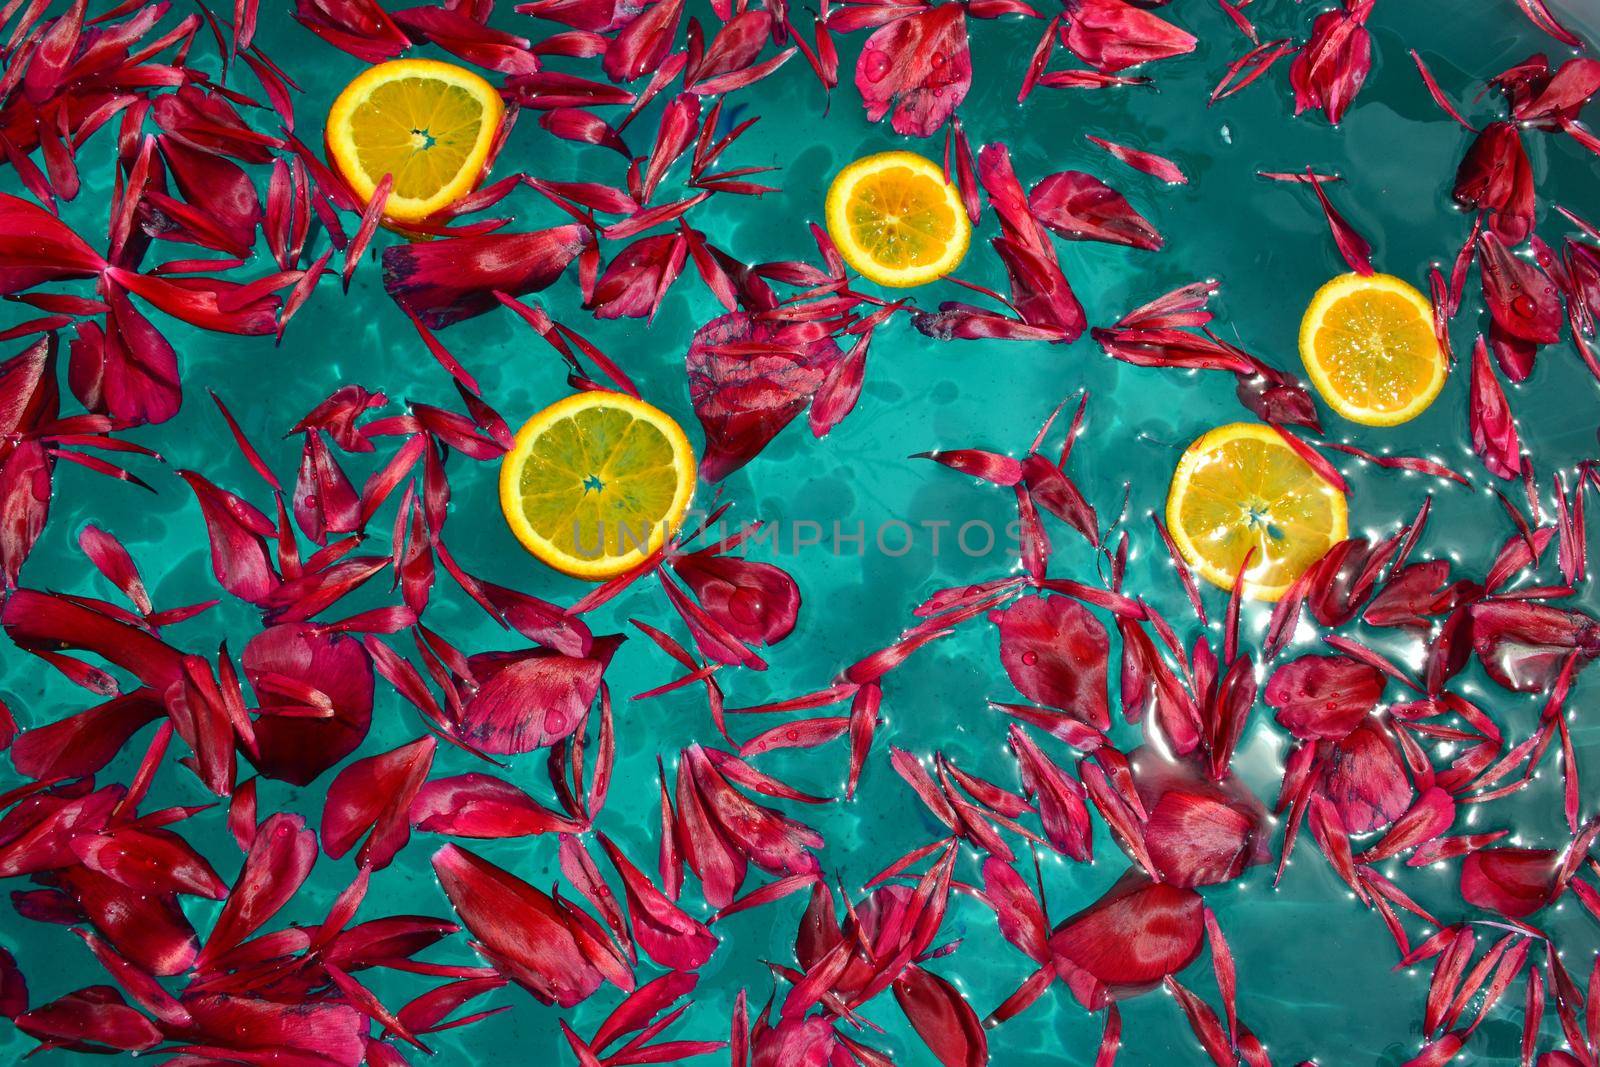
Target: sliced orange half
{"x": 432, "y": 125}
{"x": 895, "y": 219}
{"x": 596, "y": 483}
{"x": 1368, "y": 344}
{"x": 1241, "y": 488}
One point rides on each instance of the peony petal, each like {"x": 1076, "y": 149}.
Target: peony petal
{"x": 1056, "y": 653}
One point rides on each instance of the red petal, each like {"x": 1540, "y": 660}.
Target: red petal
{"x": 1081, "y": 207}
{"x": 480, "y": 805}
{"x": 1110, "y": 35}
{"x": 1129, "y": 940}
{"x": 279, "y": 861}
{"x": 920, "y": 66}
{"x": 1323, "y": 696}
{"x": 285, "y": 664}
{"x": 525, "y": 934}
{"x": 1512, "y": 881}
{"x": 455, "y": 278}
{"x": 375, "y": 794}
{"x": 942, "y": 1017}
{"x": 1056, "y": 653}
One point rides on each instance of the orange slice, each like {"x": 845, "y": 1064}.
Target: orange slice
{"x": 1368, "y": 345}
{"x": 1240, "y": 487}
{"x": 432, "y": 125}
{"x": 895, "y": 219}
{"x": 597, "y": 482}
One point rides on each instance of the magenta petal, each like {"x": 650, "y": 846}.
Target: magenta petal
{"x": 37, "y": 247}
{"x": 44, "y": 623}
{"x": 1018, "y": 911}
{"x": 324, "y": 500}
{"x": 375, "y": 794}
{"x": 1040, "y": 292}
{"x": 286, "y": 665}
{"x": 773, "y": 842}
{"x": 361, "y": 27}
{"x": 151, "y": 931}
{"x": 94, "y": 1019}
{"x": 756, "y": 602}
{"x": 1523, "y": 645}
{"x": 1111, "y": 35}
{"x": 748, "y": 379}
{"x": 25, "y": 481}
{"x": 1330, "y": 68}
{"x": 942, "y": 1017}
{"x": 666, "y": 933}
{"x": 530, "y": 700}
{"x": 480, "y": 805}
{"x": 263, "y": 1030}
{"x": 149, "y": 861}
{"x": 637, "y": 278}
{"x": 238, "y": 532}
{"x": 1129, "y": 940}
{"x": 1081, "y": 207}
{"x": 455, "y": 278}
{"x": 30, "y": 395}
{"x": 1323, "y": 696}
{"x": 1056, "y": 653}
{"x": 920, "y": 66}
{"x": 1198, "y": 831}
{"x": 1522, "y": 299}
{"x": 1060, "y": 798}
{"x": 1494, "y": 431}
{"x": 527, "y": 936}
{"x": 1365, "y": 779}
{"x": 644, "y": 42}
{"x": 1495, "y": 176}
{"x": 1512, "y": 881}
{"x": 81, "y": 744}
{"x": 277, "y": 865}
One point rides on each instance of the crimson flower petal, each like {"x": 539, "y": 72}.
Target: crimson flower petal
{"x": 1515, "y": 882}
{"x": 1323, "y": 696}
{"x": 1081, "y": 207}
{"x": 942, "y": 1017}
{"x": 1111, "y": 35}
{"x": 288, "y": 664}
{"x": 1056, "y": 653}
{"x": 277, "y": 865}
{"x": 481, "y": 805}
{"x": 918, "y": 65}
{"x": 375, "y": 794}
{"x": 455, "y": 278}
{"x": 748, "y": 379}
{"x": 536, "y": 941}
{"x": 1126, "y": 942}
{"x": 92, "y": 1019}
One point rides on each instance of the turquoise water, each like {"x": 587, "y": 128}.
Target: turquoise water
{"x": 1316, "y": 976}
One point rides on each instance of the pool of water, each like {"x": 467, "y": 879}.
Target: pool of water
{"x": 1317, "y": 975}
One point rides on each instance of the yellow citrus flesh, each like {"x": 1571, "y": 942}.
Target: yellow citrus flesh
{"x": 1241, "y": 488}
{"x": 430, "y": 124}
{"x": 1368, "y": 345}
{"x": 596, "y": 483}
{"x": 895, "y": 219}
